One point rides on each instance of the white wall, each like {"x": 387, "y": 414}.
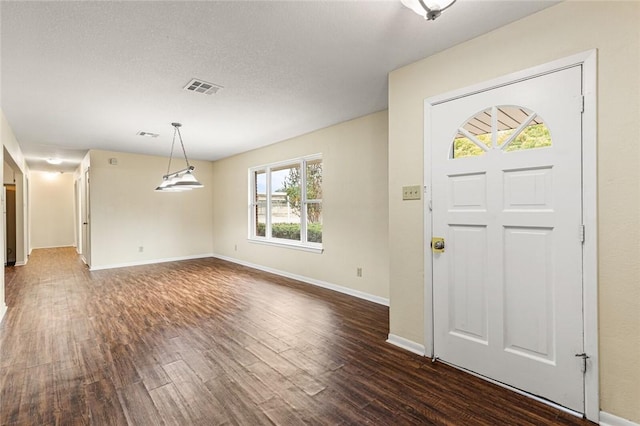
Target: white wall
{"x": 557, "y": 32}
{"x": 354, "y": 206}
{"x": 52, "y": 215}
{"x": 126, "y": 213}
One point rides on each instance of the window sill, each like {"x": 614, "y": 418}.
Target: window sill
{"x": 289, "y": 245}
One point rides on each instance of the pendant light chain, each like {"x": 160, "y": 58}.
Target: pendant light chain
{"x": 172, "y": 145}
{"x": 182, "y": 145}
{"x": 182, "y": 180}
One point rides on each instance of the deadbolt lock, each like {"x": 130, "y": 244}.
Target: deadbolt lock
{"x": 437, "y": 244}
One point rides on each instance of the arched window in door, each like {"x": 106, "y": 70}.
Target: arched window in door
{"x": 507, "y": 128}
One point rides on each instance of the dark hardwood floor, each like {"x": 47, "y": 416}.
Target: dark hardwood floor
{"x": 207, "y": 342}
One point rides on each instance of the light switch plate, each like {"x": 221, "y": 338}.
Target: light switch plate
{"x": 412, "y": 192}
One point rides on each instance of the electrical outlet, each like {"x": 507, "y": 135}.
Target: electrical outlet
{"x": 235, "y": 247}
{"x": 358, "y": 272}
{"x": 412, "y": 192}
{"x": 140, "y": 249}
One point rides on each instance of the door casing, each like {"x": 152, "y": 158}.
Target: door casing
{"x": 588, "y": 61}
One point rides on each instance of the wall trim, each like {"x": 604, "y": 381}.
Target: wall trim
{"x": 50, "y": 247}
{"x": 149, "y": 262}
{"x": 21, "y": 263}
{"x": 319, "y": 283}
{"x": 590, "y": 220}
{"x": 607, "y": 419}
{"x": 3, "y": 310}
{"x": 406, "y": 344}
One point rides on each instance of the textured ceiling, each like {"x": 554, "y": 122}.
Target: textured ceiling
{"x": 79, "y": 75}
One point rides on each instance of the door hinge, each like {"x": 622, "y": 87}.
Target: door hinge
{"x": 582, "y": 233}
{"x": 584, "y": 357}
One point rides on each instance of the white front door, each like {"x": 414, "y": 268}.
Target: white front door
{"x": 506, "y": 198}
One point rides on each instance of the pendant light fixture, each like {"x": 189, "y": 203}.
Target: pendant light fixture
{"x": 182, "y": 180}
{"x": 428, "y": 9}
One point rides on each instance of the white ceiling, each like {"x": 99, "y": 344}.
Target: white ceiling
{"x": 79, "y": 75}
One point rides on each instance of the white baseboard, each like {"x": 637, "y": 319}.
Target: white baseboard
{"x": 3, "y": 310}
{"x": 21, "y": 263}
{"x": 148, "y": 262}
{"x": 607, "y": 419}
{"x": 340, "y": 289}
{"x": 49, "y": 247}
{"x": 406, "y": 344}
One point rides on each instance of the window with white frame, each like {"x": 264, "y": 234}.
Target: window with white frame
{"x": 286, "y": 203}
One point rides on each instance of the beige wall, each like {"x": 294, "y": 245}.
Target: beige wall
{"x": 127, "y": 214}
{"x": 52, "y": 216}
{"x": 10, "y": 143}
{"x": 571, "y": 27}
{"x": 9, "y": 176}
{"x": 354, "y": 207}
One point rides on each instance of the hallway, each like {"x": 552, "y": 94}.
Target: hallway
{"x": 209, "y": 342}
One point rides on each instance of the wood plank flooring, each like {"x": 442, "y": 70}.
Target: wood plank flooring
{"x": 207, "y": 342}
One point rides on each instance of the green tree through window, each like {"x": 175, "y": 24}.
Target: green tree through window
{"x": 504, "y": 120}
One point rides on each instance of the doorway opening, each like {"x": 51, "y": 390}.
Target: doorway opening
{"x": 9, "y": 216}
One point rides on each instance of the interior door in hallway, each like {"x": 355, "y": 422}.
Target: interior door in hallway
{"x": 506, "y": 198}
{"x": 86, "y": 220}
{"x": 10, "y": 224}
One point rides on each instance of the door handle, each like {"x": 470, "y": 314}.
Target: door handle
{"x": 437, "y": 244}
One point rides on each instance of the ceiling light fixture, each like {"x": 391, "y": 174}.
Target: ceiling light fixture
{"x": 428, "y": 9}
{"x": 182, "y": 180}
{"x": 54, "y": 161}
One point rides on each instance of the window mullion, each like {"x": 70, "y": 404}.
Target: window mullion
{"x": 253, "y": 206}
{"x": 303, "y": 202}
{"x": 267, "y": 231}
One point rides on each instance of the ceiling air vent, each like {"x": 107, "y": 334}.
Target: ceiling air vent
{"x": 148, "y": 134}
{"x": 200, "y": 86}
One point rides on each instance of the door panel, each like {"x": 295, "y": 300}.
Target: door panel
{"x": 506, "y": 196}
{"x": 528, "y": 292}
{"x": 468, "y": 292}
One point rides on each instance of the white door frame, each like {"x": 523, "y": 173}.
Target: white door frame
{"x": 588, "y": 61}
